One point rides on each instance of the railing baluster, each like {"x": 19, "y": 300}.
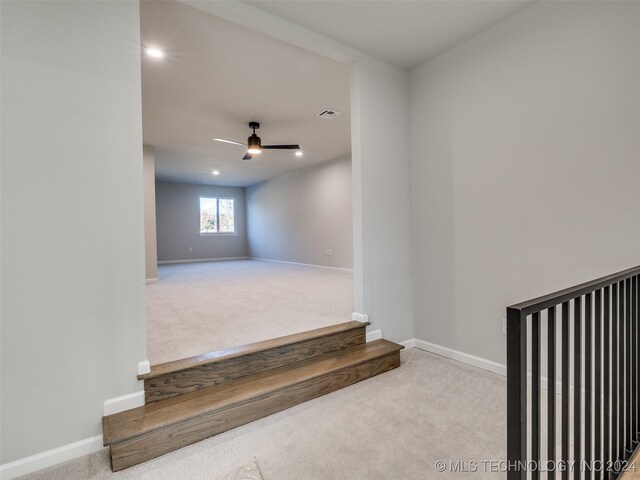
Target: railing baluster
{"x": 551, "y": 390}
{"x": 636, "y": 425}
{"x": 566, "y": 383}
{"x": 614, "y": 372}
{"x": 577, "y": 384}
{"x": 587, "y": 385}
{"x": 634, "y": 362}
{"x": 516, "y": 397}
{"x": 535, "y": 393}
{"x": 597, "y": 416}
{"x": 636, "y": 392}
{"x": 621, "y": 365}
{"x": 636, "y": 321}
{"x": 606, "y": 440}
{"x": 629, "y": 437}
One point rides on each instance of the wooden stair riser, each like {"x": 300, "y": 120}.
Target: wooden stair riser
{"x": 197, "y": 377}
{"x": 166, "y": 439}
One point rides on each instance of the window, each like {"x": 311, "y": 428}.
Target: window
{"x": 217, "y": 216}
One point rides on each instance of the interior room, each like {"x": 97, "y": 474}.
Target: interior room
{"x": 462, "y": 239}
{"x": 276, "y": 256}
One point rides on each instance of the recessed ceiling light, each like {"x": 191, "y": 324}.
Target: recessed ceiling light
{"x": 215, "y": 172}
{"x": 299, "y": 153}
{"x": 153, "y": 52}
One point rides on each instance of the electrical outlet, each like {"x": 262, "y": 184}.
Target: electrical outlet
{"x": 191, "y": 249}
{"x": 504, "y": 326}
{"x": 329, "y": 251}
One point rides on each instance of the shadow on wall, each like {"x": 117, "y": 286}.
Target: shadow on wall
{"x": 304, "y": 216}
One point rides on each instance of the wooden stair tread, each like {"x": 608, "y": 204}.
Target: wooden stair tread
{"x": 138, "y": 421}
{"x": 253, "y": 360}
{"x": 251, "y": 348}
{"x": 167, "y": 424}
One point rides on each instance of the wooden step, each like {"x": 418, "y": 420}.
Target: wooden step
{"x": 182, "y": 376}
{"x": 160, "y": 427}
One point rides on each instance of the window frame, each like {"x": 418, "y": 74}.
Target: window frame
{"x": 217, "y": 233}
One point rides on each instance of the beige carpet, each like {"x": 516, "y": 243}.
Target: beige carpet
{"x": 199, "y": 307}
{"x": 248, "y": 472}
{"x": 395, "y": 426}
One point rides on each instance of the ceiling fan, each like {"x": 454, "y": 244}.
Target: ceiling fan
{"x": 254, "y": 145}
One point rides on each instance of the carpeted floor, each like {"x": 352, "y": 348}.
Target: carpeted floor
{"x": 395, "y": 426}
{"x": 200, "y": 307}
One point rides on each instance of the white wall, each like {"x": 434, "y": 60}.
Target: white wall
{"x": 524, "y": 166}
{"x": 178, "y": 223}
{"x": 150, "y": 244}
{"x": 72, "y": 246}
{"x": 298, "y": 216}
{"x": 380, "y": 156}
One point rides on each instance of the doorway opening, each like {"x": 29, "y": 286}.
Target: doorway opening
{"x": 241, "y": 250}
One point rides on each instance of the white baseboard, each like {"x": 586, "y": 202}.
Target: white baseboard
{"x": 478, "y": 362}
{"x": 196, "y": 260}
{"x": 460, "y": 356}
{"x": 125, "y": 402}
{"x": 149, "y": 281}
{"x": 144, "y": 367}
{"x": 31, "y": 464}
{"x": 407, "y": 344}
{"x": 303, "y": 264}
{"x": 374, "y": 335}
{"x": 359, "y": 317}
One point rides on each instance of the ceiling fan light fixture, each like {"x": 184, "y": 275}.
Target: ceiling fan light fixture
{"x": 254, "y": 145}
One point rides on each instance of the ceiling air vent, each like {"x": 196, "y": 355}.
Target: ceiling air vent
{"x": 328, "y": 114}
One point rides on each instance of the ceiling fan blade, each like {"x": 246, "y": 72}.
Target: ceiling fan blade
{"x": 248, "y": 156}
{"x": 281, "y": 147}
{"x": 230, "y": 141}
